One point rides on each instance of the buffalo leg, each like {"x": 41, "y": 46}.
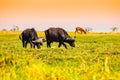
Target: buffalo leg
{"x": 64, "y": 45}
{"x": 26, "y": 44}
{"x": 30, "y": 41}
{"x": 23, "y": 43}
{"x": 48, "y": 44}
{"x": 59, "y": 44}
{"x": 31, "y": 44}
{"x": 34, "y": 46}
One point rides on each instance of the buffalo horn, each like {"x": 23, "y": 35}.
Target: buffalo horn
{"x": 37, "y": 41}
{"x": 70, "y": 39}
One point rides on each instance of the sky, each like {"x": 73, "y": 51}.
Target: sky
{"x": 68, "y": 14}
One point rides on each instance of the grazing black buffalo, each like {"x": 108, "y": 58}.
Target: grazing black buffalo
{"x": 30, "y": 36}
{"x": 58, "y": 35}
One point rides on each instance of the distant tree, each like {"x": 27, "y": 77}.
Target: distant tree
{"x": 114, "y": 28}
{"x": 88, "y": 29}
{"x": 15, "y": 28}
{"x": 4, "y": 29}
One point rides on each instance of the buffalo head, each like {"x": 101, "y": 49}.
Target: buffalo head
{"x": 38, "y": 42}
{"x": 70, "y": 41}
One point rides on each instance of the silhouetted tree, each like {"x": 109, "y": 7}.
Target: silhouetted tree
{"x": 15, "y": 28}
{"x": 4, "y": 29}
{"x": 114, "y": 28}
{"x": 87, "y": 29}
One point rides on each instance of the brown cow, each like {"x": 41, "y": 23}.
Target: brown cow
{"x": 80, "y": 29}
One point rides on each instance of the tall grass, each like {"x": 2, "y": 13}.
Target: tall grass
{"x": 95, "y": 57}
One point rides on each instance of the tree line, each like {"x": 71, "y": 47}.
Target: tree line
{"x": 87, "y": 29}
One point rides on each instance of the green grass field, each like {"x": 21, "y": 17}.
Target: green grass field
{"x": 95, "y": 57}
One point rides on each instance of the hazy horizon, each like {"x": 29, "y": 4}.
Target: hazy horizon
{"x": 68, "y": 14}
{"x": 70, "y": 28}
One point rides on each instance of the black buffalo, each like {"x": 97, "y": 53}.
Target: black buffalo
{"x": 58, "y": 35}
{"x": 30, "y": 36}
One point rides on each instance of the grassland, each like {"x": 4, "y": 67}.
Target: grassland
{"x": 95, "y": 57}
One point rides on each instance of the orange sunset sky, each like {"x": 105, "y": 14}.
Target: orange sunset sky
{"x": 42, "y": 14}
